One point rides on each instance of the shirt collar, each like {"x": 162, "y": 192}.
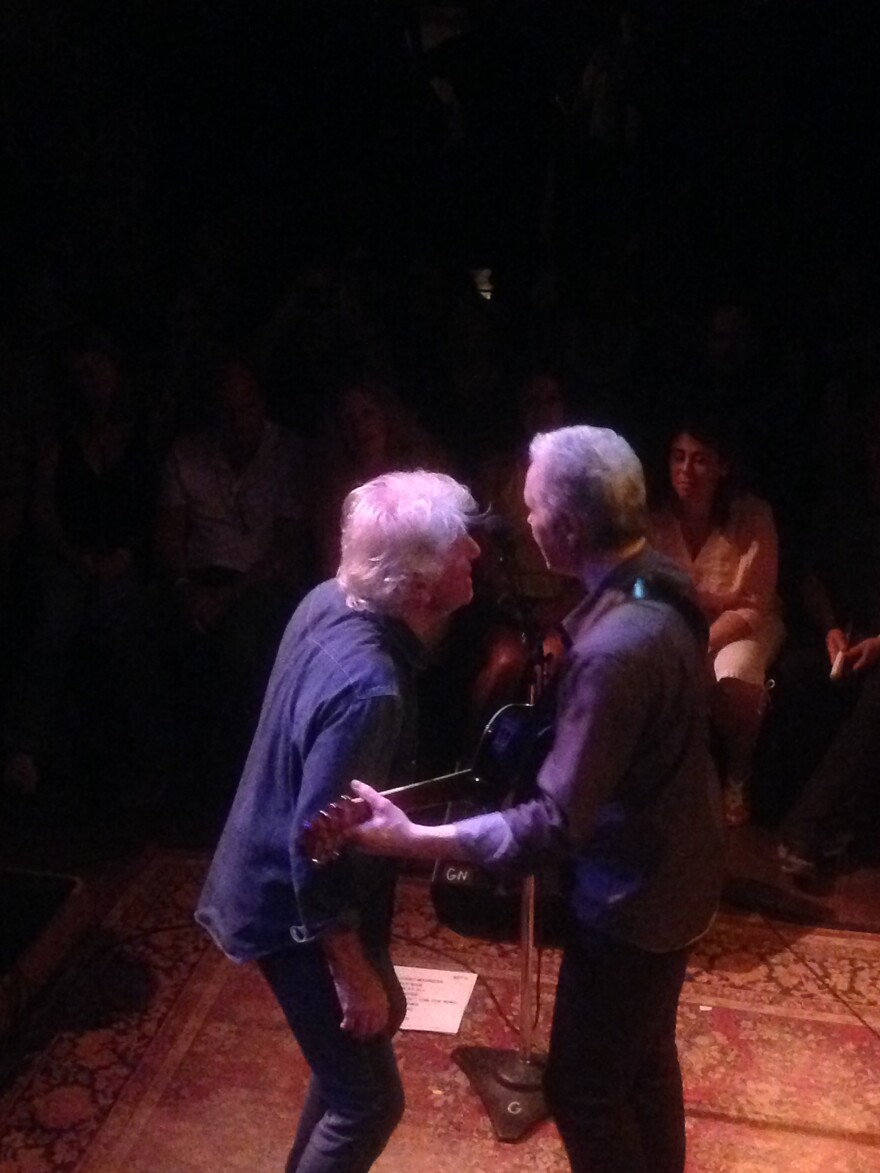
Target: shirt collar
{"x": 402, "y": 637}
{"x": 620, "y": 577}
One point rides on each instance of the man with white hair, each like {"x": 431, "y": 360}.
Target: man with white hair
{"x": 340, "y": 704}
{"x": 627, "y": 800}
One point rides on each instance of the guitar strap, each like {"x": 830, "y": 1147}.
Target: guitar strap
{"x": 650, "y": 588}
{"x": 655, "y": 589}
{"x": 477, "y": 903}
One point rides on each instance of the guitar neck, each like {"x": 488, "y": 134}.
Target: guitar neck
{"x": 431, "y": 791}
{"x": 505, "y": 753}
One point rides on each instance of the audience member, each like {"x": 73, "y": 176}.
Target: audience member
{"x": 726, "y": 540}
{"x": 541, "y": 407}
{"x": 842, "y": 596}
{"x": 366, "y": 431}
{"x": 230, "y": 538}
{"x": 320, "y": 329}
{"x": 527, "y": 600}
{"x": 91, "y": 511}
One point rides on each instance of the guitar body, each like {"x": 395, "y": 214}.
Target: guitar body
{"x": 469, "y": 899}
{"x": 510, "y": 753}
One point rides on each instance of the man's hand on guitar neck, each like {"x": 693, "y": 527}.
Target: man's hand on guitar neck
{"x": 388, "y": 831}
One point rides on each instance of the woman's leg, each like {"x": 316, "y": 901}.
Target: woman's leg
{"x": 738, "y": 705}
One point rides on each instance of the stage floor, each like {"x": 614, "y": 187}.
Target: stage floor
{"x": 153, "y": 1052}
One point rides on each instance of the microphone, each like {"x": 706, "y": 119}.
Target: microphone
{"x": 502, "y": 534}
{"x": 497, "y": 528}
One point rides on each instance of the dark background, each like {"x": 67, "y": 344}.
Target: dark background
{"x": 182, "y": 160}
{"x": 310, "y": 184}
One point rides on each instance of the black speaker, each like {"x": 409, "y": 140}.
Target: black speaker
{"x": 474, "y": 902}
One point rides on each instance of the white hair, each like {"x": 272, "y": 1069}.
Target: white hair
{"x": 397, "y": 528}
{"x": 594, "y": 474}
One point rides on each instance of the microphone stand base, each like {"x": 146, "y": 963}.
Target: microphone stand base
{"x": 510, "y": 1087}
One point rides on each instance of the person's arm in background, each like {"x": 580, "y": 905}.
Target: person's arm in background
{"x": 288, "y": 562}
{"x": 727, "y": 629}
{"x": 820, "y": 609}
{"x": 740, "y": 614}
{"x": 854, "y": 657}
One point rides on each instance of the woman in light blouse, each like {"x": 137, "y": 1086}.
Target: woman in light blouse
{"x": 726, "y": 540}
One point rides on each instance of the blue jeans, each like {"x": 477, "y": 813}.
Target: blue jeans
{"x": 355, "y": 1098}
{"x": 613, "y": 1082}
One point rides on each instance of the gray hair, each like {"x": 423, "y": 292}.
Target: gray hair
{"x": 594, "y": 474}
{"x": 397, "y": 528}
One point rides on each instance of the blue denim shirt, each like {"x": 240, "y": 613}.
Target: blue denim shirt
{"x": 340, "y": 704}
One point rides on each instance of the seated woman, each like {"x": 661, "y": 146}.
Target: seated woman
{"x": 726, "y": 540}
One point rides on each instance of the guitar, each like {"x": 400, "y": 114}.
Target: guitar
{"x": 510, "y": 750}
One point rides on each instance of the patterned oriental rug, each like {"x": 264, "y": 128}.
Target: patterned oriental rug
{"x": 153, "y": 1052}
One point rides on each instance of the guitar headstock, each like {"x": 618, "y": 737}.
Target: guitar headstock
{"x": 324, "y": 836}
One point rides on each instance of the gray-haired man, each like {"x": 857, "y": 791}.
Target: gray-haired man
{"x": 627, "y": 799}
{"x": 340, "y": 703}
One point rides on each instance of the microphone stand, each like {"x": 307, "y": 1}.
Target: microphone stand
{"x": 510, "y": 1082}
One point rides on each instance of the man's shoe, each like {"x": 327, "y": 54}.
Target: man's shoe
{"x": 795, "y": 865}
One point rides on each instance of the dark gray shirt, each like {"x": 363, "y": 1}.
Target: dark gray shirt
{"x": 627, "y": 796}
{"x": 340, "y": 704}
